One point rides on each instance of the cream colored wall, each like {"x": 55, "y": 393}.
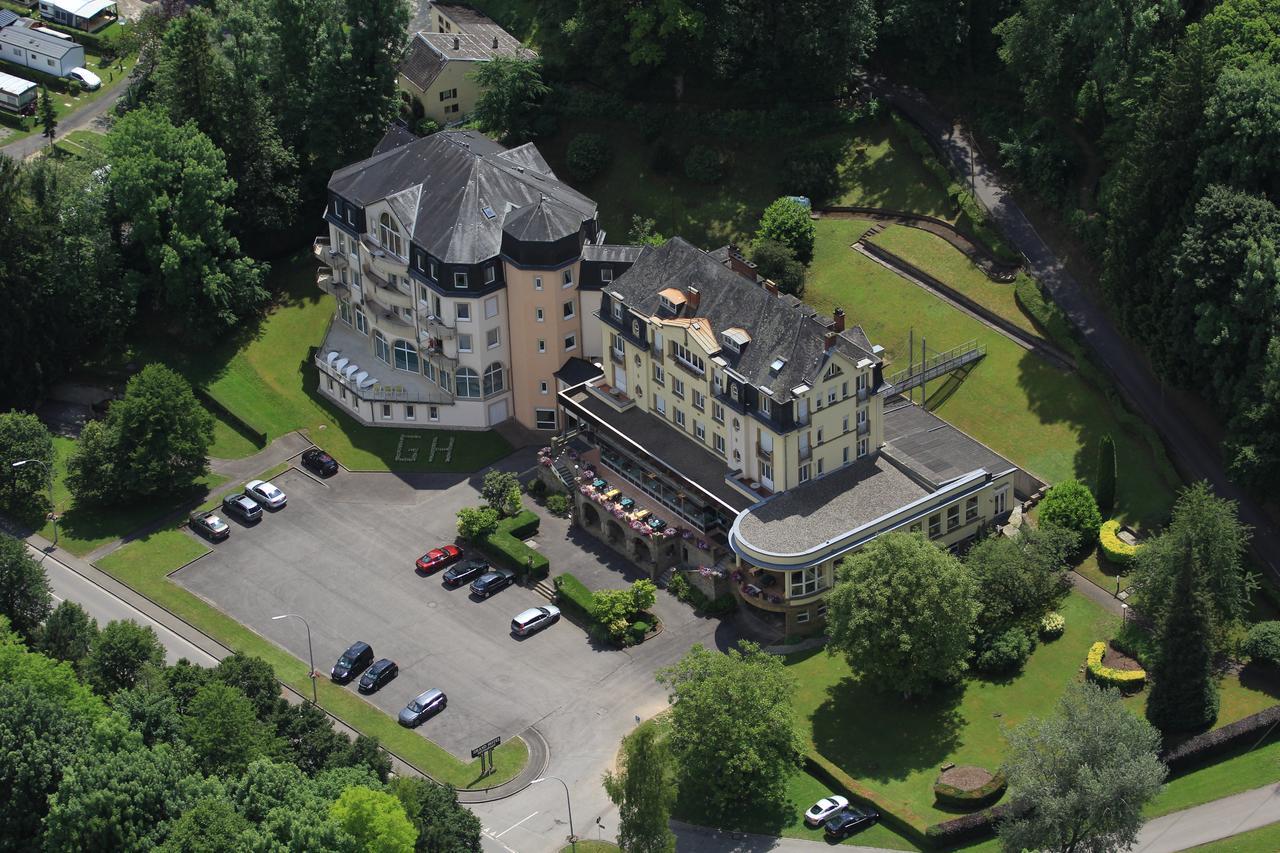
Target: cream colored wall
{"x": 532, "y": 368}
{"x": 456, "y": 74}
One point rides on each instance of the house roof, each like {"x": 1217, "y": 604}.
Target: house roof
{"x": 609, "y": 253}
{"x": 34, "y": 40}
{"x": 81, "y": 8}
{"x": 576, "y": 370}
{"x": 440, "y": 187}
{"x": 429, "y": 52}
{"x": 15, "y": 86}
{"x": 933, "y": 449}
{"x": 395, "y": 136}
{"x": 7, "y": 17}
{"x": 780, "y": 327}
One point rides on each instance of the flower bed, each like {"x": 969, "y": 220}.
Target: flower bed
{"x": 1115, "y": 549}
{"x": 969, "y": 787}
{"x": 1124, "y": 679}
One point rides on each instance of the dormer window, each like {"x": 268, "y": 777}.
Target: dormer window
{"x": 765, "y": 403}
{"x": 606, "y": 273}
{"x": 734, "y": 339}
{"x": 671, "y": 300}
{"x": 616, "y": 310}
{"x": 389, "y": 235}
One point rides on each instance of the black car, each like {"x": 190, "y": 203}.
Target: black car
{"x": 492, "y": 581}
{"x": 354, "y": 661}
{"x": 320, "y": 462}
{"x": 243, "y": 507}
{"x": 377, "y": 675}
{"x": 465, "y": 571}
{"x": 849, "y": 820}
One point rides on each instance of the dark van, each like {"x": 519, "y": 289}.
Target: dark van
{"x": 354, "y": 661}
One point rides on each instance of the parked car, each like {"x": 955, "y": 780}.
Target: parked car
{"x": 320, "y": 462}
{"x": 265, "y": 492}
{"x": 467, "y": 570}
{"x": 86, "y": 78}
{"x": 849, "y": 820}
{"x": 825, "y": 809}
{"x": 492, "y": 581}
{"x": 354, "y": 661}
{"x": 376, "y": 676}
{"x": 242, "y": 506}
{"x": 210, "y": 526}
{"x": 438, "y": 558}
{"x": 423, "y": 706}
{"x": 534, "y": 619}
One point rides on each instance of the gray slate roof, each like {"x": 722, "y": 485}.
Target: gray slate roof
{"x": 34, "y": 40}
{"x": 780, "y": 326}
{"x": 429, "y": 52}
{"x": 828, "y": 507}
{"x": 576, "y": 370}
{"x": 395, "y": 136}
{"x": 443, "y": 183}
{"x": 610, "y": 253}
{"x": 933, "y": 449}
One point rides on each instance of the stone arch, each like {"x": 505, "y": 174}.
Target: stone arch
{"x": 641, "y": 550}
{"x": 590, "y": 515}
{"x": 613, "y": 532}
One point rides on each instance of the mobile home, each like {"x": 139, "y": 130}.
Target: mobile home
{"x": 30, "y": 48}
{"x": 16, "y": 95}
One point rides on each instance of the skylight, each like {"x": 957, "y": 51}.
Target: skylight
{"x": 777, "y": 365}
{"x": 488, "y": 213}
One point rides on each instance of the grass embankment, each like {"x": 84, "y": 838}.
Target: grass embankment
{"x": 145, "y": 564}
{"x": 265, "y": 375}
{"x": 1042, "y": 418}
{"x": 1264, "y": 840}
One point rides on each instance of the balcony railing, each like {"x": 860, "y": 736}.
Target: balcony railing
{"x": 331, "y": 284}
{"x": 864, "y": 427}
{"x": 806, "y": 452}
{"x": 324, "y": 252}
{"x": 762, "y": 453}
{"x": 689, "y": 366}
{"x": 862, "y": 395}
{"x": 368, "y": 388}
{"x": 385, "y": 312}
{"x": 619, "y": 356}
{"x": 615, "y": 397}
{"x": 436, "y": 327}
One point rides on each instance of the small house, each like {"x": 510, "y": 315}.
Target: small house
{"x": 30, "y": 48}
{"x": 87, "y": 15}
{"x": 16, "y": 95}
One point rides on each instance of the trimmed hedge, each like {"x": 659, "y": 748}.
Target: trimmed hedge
{"x": 976, "y": 798}
{"x": 573, "y": 596}
{"x": 1244, "y": 732}
{"x": 971, "y": 827}
{"x": 1116, "y": 550}
{"x": 507, "y": 543}
{"x": 1124, "y": 679}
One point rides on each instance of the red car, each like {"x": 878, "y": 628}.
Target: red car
{"x": 438, "y": 558}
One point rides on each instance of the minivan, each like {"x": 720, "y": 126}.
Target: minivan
{"x": 377, "y": 675}
{"x": 354, "y": 661}
{"x": 534, "y": 619}
{"x": 423, "y": 706}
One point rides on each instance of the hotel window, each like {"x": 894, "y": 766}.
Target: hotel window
{"x": 568, "y": 277}
{"x": 545, "y": 418}
{"x": 844, "y": 424}
{"x": 804, "y": 582}
{"x": 537, "y": 313}
{"x": 433, "y": 413}
{"x": 677, "y": 386}
{"x": 804, "y": 473}
{"x": 680, "y": 418}
{"x": 459, "y": 279}
{"x": 844, "y": 455}
{"x": 802, "y": 617}
{"x": 570, "y": 342}
{"x": 953, "y": 517}
{"x": 462, "y": 311}
{"x": 389, "y": 235}
{"x": 831, "y": 396}
{"x": 428, "y": 370}
{"x": 467, "y": 383}
{"x": 492, "y": 338}
{"x": 406, "y": 357}
{"x": 659, "y": 375}
{"x": 494, "y": 380}
{"x": 700, "y": 430}
{"x": 537, "y": 282}
{"x": 543, "y": 389}
{"x": 660, "y": 404}
{"x": 681, "y": 352}
{"x": 616, "y": 310}
{"x": 971, "y": 510}
{"x": 420, "y": 263}
{"x": 446, "y": 380}
{"x": 717, "y": 413}
{"x": 765, "y": 406}
{"x": 819, "y": 435}
{"x": 386, "y": 411}
{"x": 862, "y": 447}
{"x": 464, "y": 342}
{"x": 431, "y": 271}
{"x": 717, "y": 441}
{"x": 491, "y": 308}
{"x": 542, "y": 345}
{"x": 844, "y": 389}
{"x": 409, "y": 413}
{"x": 606, "y": 273}
{"x": 490, "y": 274}
{"x": 935, "y": 525}
{"x": 344, "y": 310}
{"x": 822, "y": 611}
{"x": 568, "y": 310}
{"x": 699, "y": 400}
{"x": 819, "y": 467}
{"x": 766, "y": 471}
{"x": 862, "y": 416}
{"x": 380, "y": 347}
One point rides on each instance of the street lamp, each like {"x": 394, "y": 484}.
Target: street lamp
{"x": 310, "y": 657}
{"x": 573, "y": 839}
{"x": 53, "y": 510}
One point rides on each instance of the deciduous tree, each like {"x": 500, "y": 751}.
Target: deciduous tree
{"x": 68, "y": 633}
{"x": 501, "y": 492}
{"x": 123, "y": 649}
{"x": 787, "y": 221}
{"x": 1071, "y": 506}
{"x": 223, "y": 730}
{"x": 441, "y": 822}
{"x": 24, "y": 590}
{"x": 511, "y": 92}
{"x": 643, "y": 789}
{"x": 777, "y": 262}
{"x": 23, "y": 490}
{"x": 375, "y": 819}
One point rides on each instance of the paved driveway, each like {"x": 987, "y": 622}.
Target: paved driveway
{"x": 341, "y": 555}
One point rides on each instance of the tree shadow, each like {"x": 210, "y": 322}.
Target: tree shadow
{"x": 1262, "y": 678}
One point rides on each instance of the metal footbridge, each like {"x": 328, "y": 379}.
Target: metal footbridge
{"x": 938, "y": 364}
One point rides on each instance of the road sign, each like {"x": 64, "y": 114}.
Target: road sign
{"x": 483, "y": 748}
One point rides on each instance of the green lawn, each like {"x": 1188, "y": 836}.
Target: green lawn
{"x": 265, "y": 375}
{"x": 591, "y": 847}
{"x": 63, "y": 102}
{"x": 1242, "y": 771}
{"x": 81, "y": 143}
{"x": 81, "y": 529}
{"x": 940, "y": 259}
{"x": 879, "y": 170}
{"x": 845, "y": 721}
{"x": 1102, "y": 573}
{"x": 229, "y": 442}
{"x": 1042, "y": 418}
{"x": 145, "y": 564}
{"x": 1264, "y": 840}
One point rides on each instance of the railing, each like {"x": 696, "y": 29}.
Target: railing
{"x": 435, "y": 326}
{"x": 619, "y": 356}
{"x": 862, "y": 395}
{"x": 806, "y": 452}
{"x": 615, "y": 397}
{"x": 324, "y": 252}
{"x": 703, "y": 522}
{"x": 933, "y": 367}
{"x": 329, "y": 283}
{"x": 385, "y": 393}
{"x": 689, "y": 366}
{"x": 762, "y": 453}
{"x": 864, "y": 427}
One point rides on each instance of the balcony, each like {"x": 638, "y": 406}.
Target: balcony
{"x": 615, "y": 397}
{"x": 766, "y": 455}
{"x": 648, "y": 491}
{"x": 618, "y": 356}
{"x": 862, "y": 395}
{"x": 806, "y": 452}
{"x": 746, "y": 486}
{"x": 325, "y": 253}
{"x": 385, "y": 312}
{"x": 864, "y": 427}
{"x": 435, "y": 327}
{"x": 332, "y": 285}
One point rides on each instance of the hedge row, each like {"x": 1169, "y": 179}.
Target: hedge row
{"x": 974, "y": 798}
{"x": 507, "y": 542}
{"x": 971, "y": 827}
{"x": 573, "y": 596}
{"x": 1246, "y": 732}
{"x": 1115, "y": 549}
{"x": 1124, "y": 679}
{"x": 901, "y": 820}
{"x": 258, "y": 436}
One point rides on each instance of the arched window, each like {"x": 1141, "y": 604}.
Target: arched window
{"x": 493, "y": 379}
{"x": 389, "y": 234}
{"x": 380, "y": 348}
{"x": 406, "y": 356}
{"x": 466, "y": 382}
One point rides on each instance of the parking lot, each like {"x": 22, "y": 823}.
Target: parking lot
{"x": 341, "y": 554}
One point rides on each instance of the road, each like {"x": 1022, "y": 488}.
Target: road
{"x": 78, "y": 120}
{"x": 1195, "y": 457}
{"x": 69, "y": 585}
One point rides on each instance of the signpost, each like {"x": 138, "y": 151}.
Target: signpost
{"x": 483, "y": 750}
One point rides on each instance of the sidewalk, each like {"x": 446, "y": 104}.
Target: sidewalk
{"x": 1211, "y": 821}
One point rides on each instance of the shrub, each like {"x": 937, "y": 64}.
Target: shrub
{"x": 1116, "y": 550}
{"x": 1007, "y": 652}
{"x": 1263, "y": 644}
{"x": 73, "y": 87}
{"x": 679, "y": 586}
{"x": 704, "y": 164}
{"x": 1052, "y": 626}
{"x": 588, "y": 155}
{"x": 1070, "y": 504}
{"x": 788, "y": 222}
{"x": 476, "y": 522}
{"x": 506, "y": 541}
{"x": 573, "y": 596}
{"x": 971, "y": 798}
{"x": 1247, "y": 732}
{"x": 558, "y": 503}
{"x": 536, "y": 487}
{"x": 635, "y": 634}
{"x": 427, "y": 126}
{"x": 1122, "y": 679}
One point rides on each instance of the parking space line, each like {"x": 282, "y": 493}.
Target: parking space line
{"x": 514, "y": 825}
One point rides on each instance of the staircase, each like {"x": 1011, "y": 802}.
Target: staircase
{"x": 545, "y": 589}
{"x": 564, "y": 471}
{"x": 937, "y": 365}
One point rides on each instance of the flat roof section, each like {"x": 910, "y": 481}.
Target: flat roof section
{"x": 829, "y": 507}
{"x": 932, "y": 448}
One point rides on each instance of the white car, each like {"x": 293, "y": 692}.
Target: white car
{"x": 534, "y": 619}
{"x": 86, "y": 77}
{"x": 266, "y": 493}
{"x": 823, "y": 809}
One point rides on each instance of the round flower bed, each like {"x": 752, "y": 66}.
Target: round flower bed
{"x": 968, "y": 787}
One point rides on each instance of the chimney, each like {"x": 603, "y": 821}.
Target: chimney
{"x": 495, "y": 42}
{"x": 736, "y": 262}
{"x": 837, "y": 321}
{"x": 831, "y": 338}
{"x": 692, "y": 297}
{"x": 457, "y": 42}
{"x": 770, "y": 286}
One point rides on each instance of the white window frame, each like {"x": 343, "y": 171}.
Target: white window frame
{"x": 462, "y": 312}
{"x": 464, "y": 342}
{"x": 570, "y": 342}
{"x": 493, "y": 338}
{"x": 491, "y": 307}
{"x": 540, "y": 421}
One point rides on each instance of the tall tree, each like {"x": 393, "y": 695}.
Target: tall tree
{"x": 170, "y": 193}
{"x": 377, "y": 31}
{"x": 1079, "y": 779}
{"x": 1184, "y": 694}
{"x": 1019, "y": 579}
{"x": 123, "y": 649}
{"x": 375, "y": 819}
{"x": 1104, "y": 481}
{"x": 223, "y": 730}
{"x": 212, "y": 825}
{"x": 68, "y": 633}
{"x": 643, "y": 790}
{"x": 48, "y": 118}
{"x": 732, "y": 721}
{"x": 511, "y": 91}
{"x": 253, "y": 677}
{"x": 903, "y": 613}
{"x": 441, "y": 822}
{"x": 25, "y": 598}
{"x": 787, "y": 221}
{"x": 23, "y": 489}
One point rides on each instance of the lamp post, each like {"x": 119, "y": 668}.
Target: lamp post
{"x": 53, "y": 510}
{"x": 310, "y": 657}
{"x": 573, "y": 839}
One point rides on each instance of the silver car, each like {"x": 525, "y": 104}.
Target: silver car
{"x": 423, "y": 706}
{"x": 534, "y": 619}
{"x": 265, "y": 492}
